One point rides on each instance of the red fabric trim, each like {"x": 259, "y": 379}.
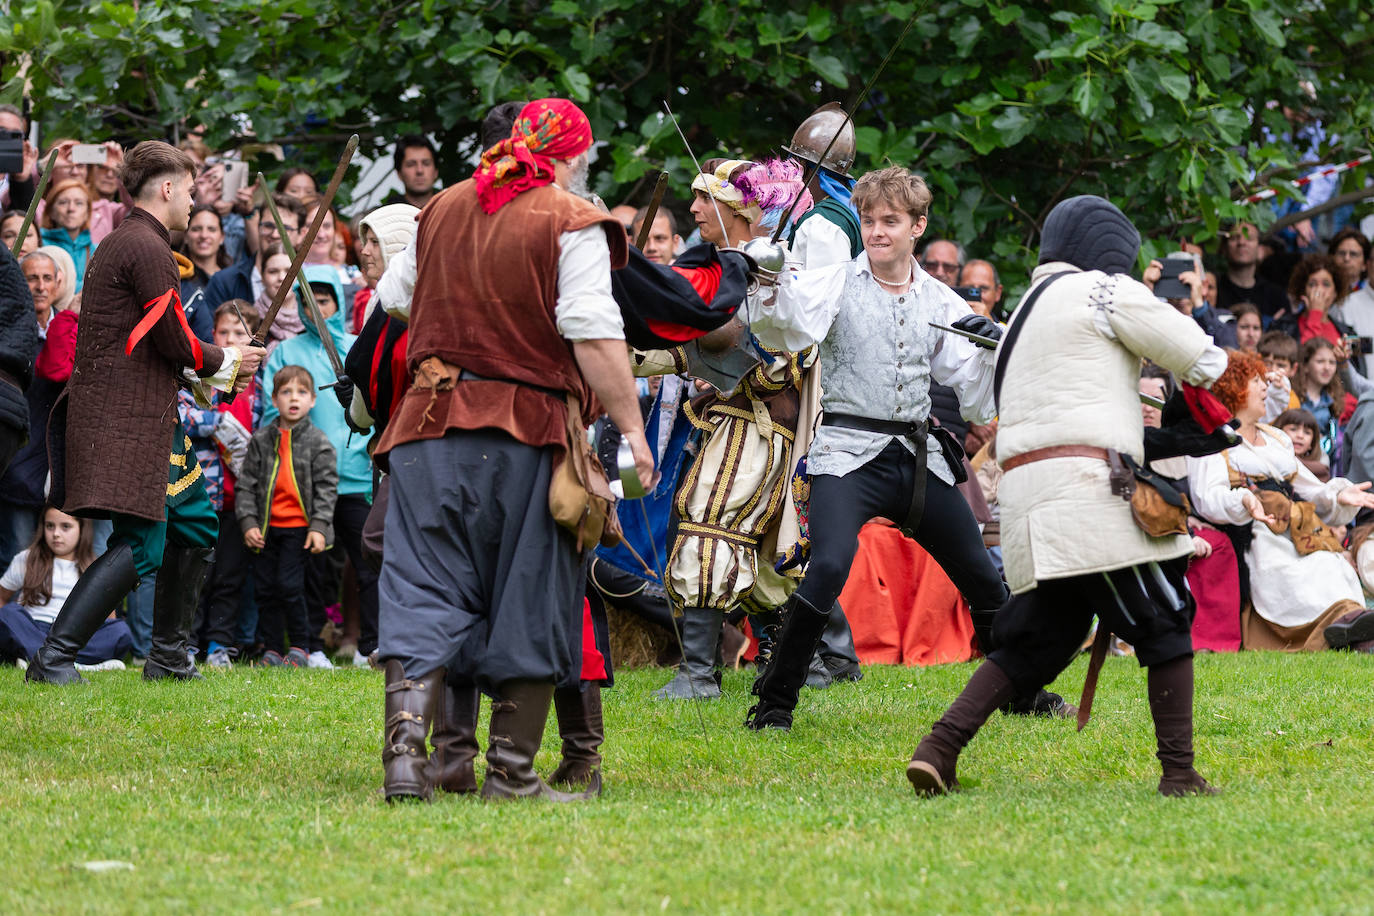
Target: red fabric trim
{"x": 155, "y": 309}
{"x": 1204, "y": 406}
{"x": 593, "y": 663}
{"x": 705, "y": 280}
{"x": 675, "y": 332}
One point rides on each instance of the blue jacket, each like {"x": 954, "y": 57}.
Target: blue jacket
{"x": 79, "y": 248}
{"x": 305, "y": 349}
{"x": 233, "y": 282}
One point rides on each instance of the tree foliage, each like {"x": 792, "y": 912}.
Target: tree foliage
{"x": 1173, "y": 108}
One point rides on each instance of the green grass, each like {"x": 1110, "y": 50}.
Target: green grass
{"x": 256, "y": 790}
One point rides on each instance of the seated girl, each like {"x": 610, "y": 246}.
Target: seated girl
{"x": 1306, "y": 435}
{"x": 1304, "y": 593}
{"x": 39, "y": 579}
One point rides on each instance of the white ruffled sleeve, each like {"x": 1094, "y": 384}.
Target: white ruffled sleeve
{"x": 801, "y": 309}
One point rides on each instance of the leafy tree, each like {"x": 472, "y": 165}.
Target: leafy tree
{"x": 1173, "y": 108}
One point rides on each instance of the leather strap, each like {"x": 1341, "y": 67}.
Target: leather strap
{"x": 1055, "y": 451}
{"x": 1018, "y": 320}
{"x": 916, "y": 432}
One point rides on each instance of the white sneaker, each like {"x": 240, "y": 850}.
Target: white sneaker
{"x": 319, "y": 660}
{"x": 219, "y": 658}
{"x": 359, "y": 659}
{"x": 111, "y": 664}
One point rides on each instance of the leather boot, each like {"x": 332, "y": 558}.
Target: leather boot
{"x": 176, "y": 597}
{"x": 982, "y": 629}
{"x": 517, "y": 726}
{"x": 777, "y": 687}
{"x": 582, "y": 729}
{"x": 1170, "y": 688}
{"x": 410, "y": 707}
{"x": 932, "y": 767}
{"x": 99, "y": 590}
{"x": 1040, "y": 703}
{"x": 696, "y": 676}
{"x": 455, "y": 739}
{"x": 765, "y": 626}
{"x": 837, "y": 648}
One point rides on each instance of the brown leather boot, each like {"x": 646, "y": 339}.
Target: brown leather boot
{"x": 517, "y": 726}
{"x": 931, "y": 770}
{"x": 1171, "y": 706}
{"x": 455, "y": 740}
{"x": 409, "y": 709}
{"x": 581, "y": 727}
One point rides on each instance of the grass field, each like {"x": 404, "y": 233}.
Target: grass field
{"x": 256, "y": 790}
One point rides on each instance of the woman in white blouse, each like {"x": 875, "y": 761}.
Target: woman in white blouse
{"x": 1304, "y": 593}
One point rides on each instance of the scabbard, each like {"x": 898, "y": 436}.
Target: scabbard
{"x": 1100, "y": 643}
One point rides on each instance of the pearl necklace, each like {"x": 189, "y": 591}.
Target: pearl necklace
{"x": 910, "y": 274}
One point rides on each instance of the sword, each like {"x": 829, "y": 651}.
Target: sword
{"x": 848, "y": 117}
{"x": 33, "y": 204}
{"x": 297, "y": 262}
{"x": 260, "y": 335}
{"x": 646, "y": 227}
{"x": 303, "y": 289}
{"x": 988, "y": 343}
{"x": 715, "y": 204}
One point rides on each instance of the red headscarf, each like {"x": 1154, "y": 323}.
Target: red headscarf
{"x": 547, "y": 129}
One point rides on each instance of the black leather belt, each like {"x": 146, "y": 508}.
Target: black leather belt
{"x": 904, "y": 429}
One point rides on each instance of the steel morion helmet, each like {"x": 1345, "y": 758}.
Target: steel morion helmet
{"x": 815, "y": 133}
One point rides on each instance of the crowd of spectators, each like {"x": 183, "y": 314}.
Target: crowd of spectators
{"x": 290, "y": 585}
{"x": 294, "y": 582}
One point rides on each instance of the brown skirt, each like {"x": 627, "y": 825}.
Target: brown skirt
{"x": 1258, "y": 633}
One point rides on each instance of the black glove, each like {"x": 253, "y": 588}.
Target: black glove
{"x": 982, "y": 326}
{"x": 343, "y": 390}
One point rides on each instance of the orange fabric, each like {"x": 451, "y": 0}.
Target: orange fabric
{"x": 288, "y": 511}
{"x": 902, "y": 607}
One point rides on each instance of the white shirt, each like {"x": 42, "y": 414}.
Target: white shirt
{"x": 819, "y": 243}
{"x": 64, "y": 576}
{"x": 878, "y": 353}
{"x": 585, "y": 309}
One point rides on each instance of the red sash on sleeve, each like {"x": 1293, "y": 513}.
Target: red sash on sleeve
{"x": 155, "y": 309}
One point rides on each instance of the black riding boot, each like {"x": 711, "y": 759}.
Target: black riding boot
{"x": 765, "y": 626}
{"x": 777, "y": 687}
{"x": 179, "y": 581}
{"x": 696, "y": 676}
{"x": 837, "y": 648}
{"x": 99, "y": 590}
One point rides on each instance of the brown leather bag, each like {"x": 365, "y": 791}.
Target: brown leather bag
{"x": 1155, "y": 515}
{"x": 580, "y": 498}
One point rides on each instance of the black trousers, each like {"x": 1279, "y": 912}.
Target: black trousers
{"x": 1039, "y": 632}
{"x": 882, "y": 488}
{"x": 224, "y": 591}
{"x": 350, "y": 516}
{"x": 279, "y": 583}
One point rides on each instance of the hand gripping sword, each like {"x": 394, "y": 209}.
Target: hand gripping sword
{"x": 260, "y": 335}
